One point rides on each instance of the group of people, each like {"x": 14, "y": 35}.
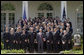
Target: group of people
{"x": 39, "y": 34}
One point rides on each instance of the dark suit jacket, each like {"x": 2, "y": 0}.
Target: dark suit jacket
{"x": 49, "y": 36}
{"x": 6, "y": 36}
{"x": 12, "y": 38}
{"x": 56, "y": 37}
{"x": 31, "y": 37}
{"x": 17, "y": 36}
{"x": 64, "y": 38}
{"x": 23, "y": 37}
{"x": 39, "y": 39}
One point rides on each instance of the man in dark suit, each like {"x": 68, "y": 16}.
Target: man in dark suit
{"x": 69, "y": 38}
{"x": 64, "y": 40}
{"x": 12, "y": 39}
{"x": 23, "y": 41}
{"x": 35, "y": 41}
{"x": 26, "y": 38}
{"x": 40, "y": 39}
{"x": 56, "y": 39}
{"x": 68, "y": 21}
{"x": 69, "y": 33}
{"x": 49, "y": 36}
{"x": 52, "y": 39}
{"x": 61, "y": 34}
{"x": 17, "y": 38}
{"x": 31, "y": 39}
{"x": 6, "y": 37}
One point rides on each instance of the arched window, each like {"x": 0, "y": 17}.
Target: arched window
{"x": 45, "y": 6}
{"x": 7, "y": 6}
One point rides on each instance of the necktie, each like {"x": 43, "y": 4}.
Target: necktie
{"x": 40, "y": 35}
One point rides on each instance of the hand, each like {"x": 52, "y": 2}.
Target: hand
{"x": 58, "y": 42}
{"x": 28, "y": 40}
{"x": 35, "y": 41}
{"x": 44, "y": 39}
{"x": 7, "y": 40}
{"x": 14, "y": 41}
{"x": 69, "y": 42}
{"x": 17, "y": 42}
{"x": 48, "y": 41}
{"x": 63, "y": 42}
{"x": 25, "y": 40}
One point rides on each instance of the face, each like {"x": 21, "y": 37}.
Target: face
{"x": 48, "y": 29}
{"x": 40, "y": 30}
{"x": 67, "y": 24}
{"x": 51, "y": 29}
{"x": 18, "y": 29}
{"x": 54, "y": 29}
{"x": 12, "y": 31}
{"x": 23, "y": 31}
{"x": 64, "y": 31}
{"x": 31, "y": 28}
{"x": 60, "y": 30}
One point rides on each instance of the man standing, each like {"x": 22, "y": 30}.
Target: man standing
{"x": 56, "y": 40}
{"x": 17, "y": 38}
{"x": 64, "y": 40}
{"x": 40, "y": 40}
{"x": 12, "y": 39}
{"x": 49, "y": 36}
{"x": 23, "y": 41}
{"x": 31, "y": 39}
{"x": 6, "y": 37}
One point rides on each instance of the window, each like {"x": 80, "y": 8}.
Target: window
{"x": 80, "y": 21}
{"x": 40, "y": 15}
{"x": 80, "y": 18}
{"x": 49, "y": 15}
{"x": 3, "y": 21}
{"x": 45, "y": 6}
{"x": 11, "y": 19}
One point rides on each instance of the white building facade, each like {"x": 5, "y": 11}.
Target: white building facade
{"x": 12, "y": 15}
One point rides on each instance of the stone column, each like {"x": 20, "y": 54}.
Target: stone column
{"x": 25, "y": 3}
{"x": 7, "y": 19}
{"x": 63, "y": 4}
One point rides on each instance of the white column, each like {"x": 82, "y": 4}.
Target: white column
{"x": 25, "y": 3}
{"x": 7, "y": 19}
{"x": 63, "y": 3}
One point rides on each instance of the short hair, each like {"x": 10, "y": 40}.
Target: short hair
{"x": 23, "y": 29}
{"x": 11, "y": 29}
{"x": 68, "y": 18}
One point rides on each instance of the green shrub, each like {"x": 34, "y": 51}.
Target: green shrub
{"x": 73, "y": 52}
